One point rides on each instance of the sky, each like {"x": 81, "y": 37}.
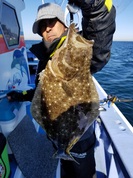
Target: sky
{"x": 124, "y": 19}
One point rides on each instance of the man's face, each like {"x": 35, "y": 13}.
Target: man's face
{"x": 52, "y": 29}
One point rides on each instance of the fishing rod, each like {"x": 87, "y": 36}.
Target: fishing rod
{"x": 114, "y": 99}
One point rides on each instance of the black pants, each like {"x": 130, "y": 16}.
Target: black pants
{"x": 86, "y": 166}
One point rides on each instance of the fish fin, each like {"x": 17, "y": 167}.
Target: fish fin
{"x": 71, "y": 144}
{"x": 67, "y": 89}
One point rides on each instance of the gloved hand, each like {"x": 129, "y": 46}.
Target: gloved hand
{"x": 15, "y": 96}
{"x": 83, "y": 4}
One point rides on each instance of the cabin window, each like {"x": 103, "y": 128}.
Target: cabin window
{"x": 10, "y": 26}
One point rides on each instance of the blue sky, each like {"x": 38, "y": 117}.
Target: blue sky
{"x": 124, "y": 19}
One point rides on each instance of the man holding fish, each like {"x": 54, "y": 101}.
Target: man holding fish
{"x": 65, "y": 101}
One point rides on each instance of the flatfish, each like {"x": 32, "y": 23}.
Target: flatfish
{"x": 66, "y": 101}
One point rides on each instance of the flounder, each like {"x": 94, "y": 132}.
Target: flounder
{"x": 66, "y": 101}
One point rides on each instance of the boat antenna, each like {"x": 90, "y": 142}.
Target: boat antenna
{"x": 62, "y": 3}
{"x": 121, "y": 5}
{"x": 42, "y": 1}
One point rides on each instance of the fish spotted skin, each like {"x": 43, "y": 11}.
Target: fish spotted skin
{"x": 66, "y": 101}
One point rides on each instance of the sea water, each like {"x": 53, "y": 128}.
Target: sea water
{"x": 116, "y": 77}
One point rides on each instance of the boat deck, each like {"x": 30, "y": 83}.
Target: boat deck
{"x": 32, "y": 151}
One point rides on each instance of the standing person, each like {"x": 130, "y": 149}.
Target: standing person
{"x": 98, "y": 24}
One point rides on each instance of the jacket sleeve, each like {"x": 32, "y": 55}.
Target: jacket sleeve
{"x": 28, "y": 95}
{"x": 98, "y": 24}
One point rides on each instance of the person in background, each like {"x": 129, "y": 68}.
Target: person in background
{"x": 98, "y": 24}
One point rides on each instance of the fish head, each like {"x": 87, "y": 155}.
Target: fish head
{"x": 69, "y": 58}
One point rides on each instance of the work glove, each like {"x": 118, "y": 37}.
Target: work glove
{"x": 93, "y": 7}
{"x": 15, "y": 96}
{"x": 81, "y": 3}
{"x": 84, "y": 5}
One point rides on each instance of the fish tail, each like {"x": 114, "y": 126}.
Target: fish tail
{"x": 62, "y": 155}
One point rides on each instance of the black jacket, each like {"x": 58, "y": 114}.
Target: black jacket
{"x": 98, "y": 25}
